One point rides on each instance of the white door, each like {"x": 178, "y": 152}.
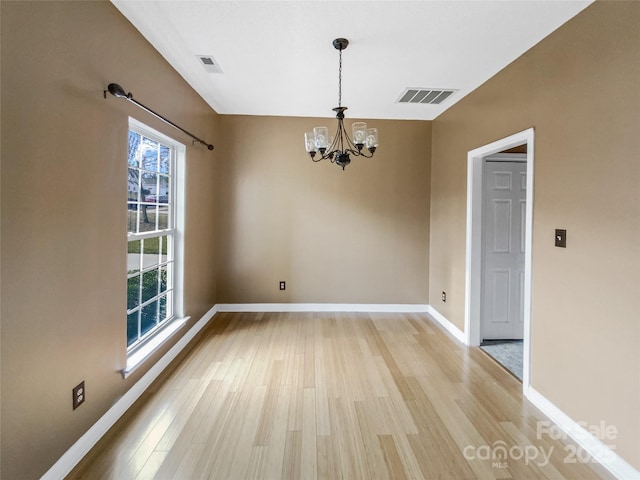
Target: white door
{"x": 503, "y": 246}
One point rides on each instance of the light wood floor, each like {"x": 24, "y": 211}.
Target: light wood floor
{"x": 330, "y": 396}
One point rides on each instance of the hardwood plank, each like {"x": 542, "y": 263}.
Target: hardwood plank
{"x": 323, "y": 422}
{"x": 271, "y": 402}
{"x": 257, "y": 462}
{"x": 374, "y": 464}
{"x": 328, "y": 464}
{"x": 239, "y": 465}
{"x": 392, "y": 459}
{"x": 292, "y": 460}
{"x": 348, "y": 448}
{"x": 309, "y": 353}
{"x": 278, "y": 437}
{"x": 152, "y": 465}
{"x": 186, "y": 465}
{"x": 309, "y": 455}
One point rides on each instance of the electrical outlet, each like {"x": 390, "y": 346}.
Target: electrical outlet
{"x": 283, "y": 285}
{"x": 79, "y": 395}
{"x": 444, "y": 297}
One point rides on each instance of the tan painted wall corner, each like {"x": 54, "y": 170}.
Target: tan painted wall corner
{"x": 355, "y": 236}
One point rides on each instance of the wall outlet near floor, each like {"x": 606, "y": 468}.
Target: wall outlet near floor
{"x": 283, "y": 285}
{"x": 444, "y": 297}
{"x": 78, "y": 395}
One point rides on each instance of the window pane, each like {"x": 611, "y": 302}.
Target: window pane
{"x": 151, "y": 247}
{"x": 149, "y": 155}
{"x": 151, "y": 251}
{"x": 149, "y": 317}
{"x": 163, "y": 248}
{"x": 134, "y": 147}
{"x": 155, "y": 218}
{"x": 133, "y": 292}
{"x": 149, "y": 285}
{"x": 147, "y": 218}
{"x": 163, "y": 217}
{"x": 165, "y": 159}
{"x": 132, "y": 327}
{"x": 163, "y": 279}
{"x": 163, "y": 195}
{"x": 163, "y": 309}
{"x": 132, "y": 217}
{"x": 149, "y": 187}
{"x": 133, "y": 256}
{"x": 133, "y": 186}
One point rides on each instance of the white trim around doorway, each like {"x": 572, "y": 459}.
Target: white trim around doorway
{"x": 473, "y": 280}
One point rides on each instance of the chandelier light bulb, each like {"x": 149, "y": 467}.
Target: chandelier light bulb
{"x": 359, "y": 131}
{"x": 309, "y": 142}
{"x": 321, "y": 137}
{"x": 372, "y": 139}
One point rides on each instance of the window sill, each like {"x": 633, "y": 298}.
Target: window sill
{"x": 137, "y": 357}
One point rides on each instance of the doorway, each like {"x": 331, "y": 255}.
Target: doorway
{"x": 477, "y": 280}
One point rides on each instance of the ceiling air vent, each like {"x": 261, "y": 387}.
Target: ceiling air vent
{"x": 431, "y": 96}
{"x": 209, "y": 63}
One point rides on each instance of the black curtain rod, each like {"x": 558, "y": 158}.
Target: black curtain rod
{"x": 117, "y": 91}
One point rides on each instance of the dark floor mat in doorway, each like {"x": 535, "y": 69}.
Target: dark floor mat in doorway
{"x": 508, "y": 353}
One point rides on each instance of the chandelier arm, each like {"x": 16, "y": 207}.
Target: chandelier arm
{"x": 361, "y": 153}
{"x": 351, "y": 146}
{"x": 332, "y": 158}
{"x": 335, "y": 144}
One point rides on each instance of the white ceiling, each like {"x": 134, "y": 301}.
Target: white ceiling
{"x": 277, "y": 57}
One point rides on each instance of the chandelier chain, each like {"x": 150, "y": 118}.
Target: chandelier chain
{"x": 340, "y": 81}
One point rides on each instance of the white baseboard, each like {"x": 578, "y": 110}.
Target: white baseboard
{"x": 450, "y": 327}
{"x": 321, "y": 307}
{"x": 78, "y": 450}
{"x": 596, "y": 449}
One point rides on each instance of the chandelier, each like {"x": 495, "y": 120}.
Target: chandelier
{"x": 339, "y": 148}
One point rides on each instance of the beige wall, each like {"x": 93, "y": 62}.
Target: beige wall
{"x": 579, "y": 89}
{"x": 259, "y": 212}
{"x": 64, "y": 216}
{"x": 355, "y": 236}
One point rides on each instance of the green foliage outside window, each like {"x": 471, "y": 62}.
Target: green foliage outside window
{"x": 152, "y": 314}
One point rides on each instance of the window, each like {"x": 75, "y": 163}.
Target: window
{"x": 153, "y": 221}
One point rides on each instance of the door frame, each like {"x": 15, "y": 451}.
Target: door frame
{"x": 473, "y": 270}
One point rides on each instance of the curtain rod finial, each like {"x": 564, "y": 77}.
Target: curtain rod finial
{"x": 117, "y": 91}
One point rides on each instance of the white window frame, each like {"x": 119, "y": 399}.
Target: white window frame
{"x": 152, "y": 340}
